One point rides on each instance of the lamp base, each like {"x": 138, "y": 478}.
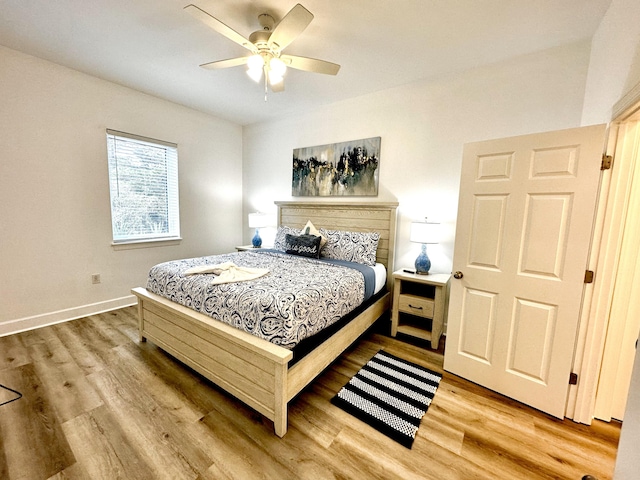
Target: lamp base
{"x": 423, "y": 264}
{"x": 256, "y": 241}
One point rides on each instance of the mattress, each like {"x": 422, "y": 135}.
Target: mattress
{"x": 295, "y": 300}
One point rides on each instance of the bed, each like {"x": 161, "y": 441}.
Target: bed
{"x": 254, "y": 370}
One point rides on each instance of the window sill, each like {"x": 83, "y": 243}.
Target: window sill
{"x": 156, "y": 242}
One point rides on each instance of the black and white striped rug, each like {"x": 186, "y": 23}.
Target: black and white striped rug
{"x": 390, "y": 394}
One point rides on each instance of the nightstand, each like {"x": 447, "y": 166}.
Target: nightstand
{"x": 242, "y": 248}
{"x": 419, "y": 305}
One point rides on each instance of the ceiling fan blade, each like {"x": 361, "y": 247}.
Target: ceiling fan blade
{"x": 231, "y": 62}
{"x": 310, "y": 64}
{"x": 220, "y": 27}
{"x": 292, "y": 25}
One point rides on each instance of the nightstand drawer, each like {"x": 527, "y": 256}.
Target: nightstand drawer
{"x": 420, "y": 306}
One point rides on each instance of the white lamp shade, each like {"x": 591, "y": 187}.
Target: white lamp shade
{"x": 277, "y": 67}
{"x": 256, "y": 65}
{"x": 423, "y": 232}
{"x": 259, "y": 220}
{"x": 255, "y": 62}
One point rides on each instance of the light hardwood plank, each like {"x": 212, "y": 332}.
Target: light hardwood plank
{"x": 102, "y": 448}
{"x": 13, "y": 352}
{"x": 33, "y": 442}
{"x": 154, "y": 432}
{"x": 74, "y": 472}
{"x": 133, "y": 411}
{"x": 63, "y": 380}
{"x": 89, "y": 356}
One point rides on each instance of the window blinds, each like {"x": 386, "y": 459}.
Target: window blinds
{"x": 143, "y": 182}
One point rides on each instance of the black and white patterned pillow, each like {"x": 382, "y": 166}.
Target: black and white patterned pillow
{"x": 279, "y": 243}
{"x": 359, "y": 247}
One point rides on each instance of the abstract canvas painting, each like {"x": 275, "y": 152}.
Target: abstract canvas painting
{"x": 337, "y": 169}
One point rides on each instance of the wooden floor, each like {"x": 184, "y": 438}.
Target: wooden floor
{"x": 99, "y": 405}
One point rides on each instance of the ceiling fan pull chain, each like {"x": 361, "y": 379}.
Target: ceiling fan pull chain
{"x": 266, "y": 80}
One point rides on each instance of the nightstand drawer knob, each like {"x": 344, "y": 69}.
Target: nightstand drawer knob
{"x": 413, "y": 306}
{"x": 458, "y": 275}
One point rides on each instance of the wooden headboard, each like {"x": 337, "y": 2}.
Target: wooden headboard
{"x": 356, "y": 217}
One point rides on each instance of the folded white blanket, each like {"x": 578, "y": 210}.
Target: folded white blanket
{"x": 228, "y": 272}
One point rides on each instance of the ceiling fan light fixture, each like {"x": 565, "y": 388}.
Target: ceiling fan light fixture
{"x": 277, "y": 67}
{"x": 255, "y": 62}
{"x": 255, "y": 74}
{"x": 275, "y": 79}
{"x": 256, "y": 65}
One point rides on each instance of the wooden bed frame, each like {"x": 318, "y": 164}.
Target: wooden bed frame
{"x": 250, "y": 368}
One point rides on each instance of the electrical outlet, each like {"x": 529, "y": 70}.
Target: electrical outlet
{"x": 95, "y": 278}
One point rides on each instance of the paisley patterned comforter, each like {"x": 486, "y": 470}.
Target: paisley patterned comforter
{"x": 296, "y": 299}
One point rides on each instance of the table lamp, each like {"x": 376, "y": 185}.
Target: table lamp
{"x": 424, "y": 233}
{"x": 257, "y": 221}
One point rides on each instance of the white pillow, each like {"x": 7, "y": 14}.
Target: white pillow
{"x": 312, "y": 230}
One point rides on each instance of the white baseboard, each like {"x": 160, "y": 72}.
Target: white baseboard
{"x": 45, "y": 319}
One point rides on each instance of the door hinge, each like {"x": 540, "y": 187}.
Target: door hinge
{"x": 607, "y": 160}
{"x": 573, "y": 378}
{"x": 588, "y": 276}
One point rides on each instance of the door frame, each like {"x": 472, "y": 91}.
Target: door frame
{"x": 598, "y": 296}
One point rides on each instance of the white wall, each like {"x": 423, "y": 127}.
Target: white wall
{"x": 55, "y": 223}
{"x": 614, "y": 67}
{"x": 423, "y": 128}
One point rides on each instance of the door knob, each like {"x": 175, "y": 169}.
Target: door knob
{"x": 458, "y": 275}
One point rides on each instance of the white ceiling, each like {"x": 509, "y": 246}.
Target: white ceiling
{"x": 155, "y": 47}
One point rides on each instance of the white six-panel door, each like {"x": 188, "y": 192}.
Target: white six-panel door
{"x": 524, "y": 226}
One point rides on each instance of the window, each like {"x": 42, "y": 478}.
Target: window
{"x": 143, "y": 181}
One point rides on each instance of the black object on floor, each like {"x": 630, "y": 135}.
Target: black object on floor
{"x": 13, "y": 399}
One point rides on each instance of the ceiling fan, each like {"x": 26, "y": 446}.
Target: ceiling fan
{"x": 266, "y": 45}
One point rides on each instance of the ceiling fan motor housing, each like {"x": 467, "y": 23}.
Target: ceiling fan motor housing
{"x": 260, "y": 38}
{"x": 266, "y": 21}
